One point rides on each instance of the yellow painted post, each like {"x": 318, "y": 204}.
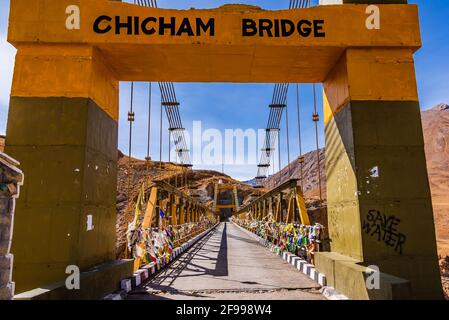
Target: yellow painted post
{"x": 270, "y": 207}
{"x": 182, "y": 211}
{"x": 64, "y": 103}
{"x": 256, "y": 211}
{"x": 150, "y": 210}
{"x": 303, "y": 215}
{"x": 278, "y": 209}
{"x": 187, "y": 209}
{"x": 265, "y": 209}
{"x": 174, "y": 208}
{"x": 281, "y": 208}
{"x": 290, "y": 208}
{"x": 192, "y": 212}
{"x": 197, "y": 213}
{"x": 376, "y": 171}
{"x": 166, "y": 208}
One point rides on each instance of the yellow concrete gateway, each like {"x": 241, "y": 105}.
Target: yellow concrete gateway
{"x": 63, "y": 114}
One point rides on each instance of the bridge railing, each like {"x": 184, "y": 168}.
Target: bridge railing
{"x": 165, "y": 218}
{"x": 301, "y": 240}
{"x": 157, "y": 244}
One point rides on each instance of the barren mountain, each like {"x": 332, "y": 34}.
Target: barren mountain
{"x": 436, "y": 136}
{"x": 309, "y": 173}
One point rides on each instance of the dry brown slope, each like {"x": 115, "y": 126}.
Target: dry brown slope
{"x": 436, "y": 136}
{"x": 310, "y": 175}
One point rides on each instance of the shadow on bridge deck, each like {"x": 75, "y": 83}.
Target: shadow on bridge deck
{"x": 227, "y": 264}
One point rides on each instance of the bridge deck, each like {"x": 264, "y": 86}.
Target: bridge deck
{"x": 228, "y": 264}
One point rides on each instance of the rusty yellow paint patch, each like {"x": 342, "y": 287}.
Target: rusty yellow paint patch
{"x": 73, "y": 71}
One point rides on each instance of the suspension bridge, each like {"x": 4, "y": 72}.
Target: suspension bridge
{"x": 62, "y": 128}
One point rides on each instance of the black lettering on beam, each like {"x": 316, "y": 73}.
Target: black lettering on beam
{"x": 128, "y": 25}
{"x": 185, "y": 28}
{"x": 249, "y": 28}
{"x": 163, "y": 26}
{"x": 265, "y": 25}
{"x": 201, "y": 26}
{"x": 145, "y": 28}
{"x": 98, "y": 22}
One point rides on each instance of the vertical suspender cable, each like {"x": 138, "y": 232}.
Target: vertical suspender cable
{"x": 149, "y": 121}
{"x": 316, "y": 119}
{"x": 160, "y": 139}
{"x": 130, "y": 115}
{"x": 288, "y": 141}
{"x": 131, "y": 120}
{"x": 279, "y": 157}
{"x": 169, "y": 145}
{"x": 301, "y": 158}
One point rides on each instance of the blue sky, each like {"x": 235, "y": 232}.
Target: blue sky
{"x": 230, "y": 106}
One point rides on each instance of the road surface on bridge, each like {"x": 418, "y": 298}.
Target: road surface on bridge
{"x": 228, "y": 264}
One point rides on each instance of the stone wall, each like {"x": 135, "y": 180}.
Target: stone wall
{"x": 11, "y": 178}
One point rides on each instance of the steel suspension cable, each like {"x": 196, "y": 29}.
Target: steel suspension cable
{"x": 131, "y": 120}
{"x": 279, "y": 102}
{"x": 301, "y": 158}
{"x": 316, "y": 119}
{"x": 160, "y": 140}
{"x": 288, "y": 142}
{"x": 171, "y": 105}
{"x": 148, "y": 158}
{"x": 131, "y": 117}
{"x": 279, "y": 158}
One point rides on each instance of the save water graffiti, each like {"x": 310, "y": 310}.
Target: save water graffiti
{"x": 383, "y": 228}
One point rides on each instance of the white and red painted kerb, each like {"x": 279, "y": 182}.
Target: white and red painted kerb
{"x": 300, "y": 264}
{"x": 148, "y": 271}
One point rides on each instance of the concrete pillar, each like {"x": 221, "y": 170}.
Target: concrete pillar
{"x": 379, "y": 202}
{"x": 182, "y": 206}
{"x": 173, "y": 210}
{"x": 270, "y": 206}
{"x": 11, "y": 178}
{"x": 62, "y": 128}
